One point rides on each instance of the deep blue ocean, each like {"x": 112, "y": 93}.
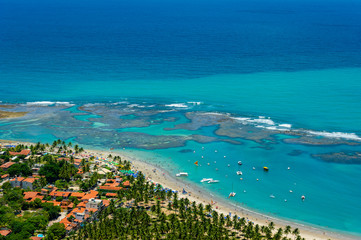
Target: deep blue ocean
{"x": 295, "y": 62}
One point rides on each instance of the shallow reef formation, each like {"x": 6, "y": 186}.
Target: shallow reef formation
{"x": 340, "y": 157}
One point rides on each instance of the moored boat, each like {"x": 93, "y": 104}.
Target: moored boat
{"x": 232, "y": 194}
{"x": 213, "y": 181}
{"x": 182, "y": 174}
{"x": 206, "y": 179}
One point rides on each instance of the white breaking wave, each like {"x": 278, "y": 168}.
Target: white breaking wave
{"x": 285, "y": 125}
{"x": 119, "y": 103}
{"x": 177, "y": 105}
{"x": 195, "y": 103}
{"x": 350, "y": 136}
{"x": 49, "y": 103}
{"x": 263, "y": 121}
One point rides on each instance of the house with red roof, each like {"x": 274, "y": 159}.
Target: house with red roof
{"x": 24, "y": 152}
{"x": 109, "y": 189}
{"x": 55, "y": 194}
{"x": 31, "y": 196}
{"x": 16, "y": 182}
{"x": 28, "y": 183}
{"x": 7, "y": 165}
{"x": 5, "y": 232}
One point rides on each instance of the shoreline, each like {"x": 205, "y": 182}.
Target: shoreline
{"x": 199, "y": 195}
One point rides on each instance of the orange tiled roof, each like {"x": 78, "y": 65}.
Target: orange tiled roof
{"x": 78, "y": 210}
{"x": 35, "y": 238}
{"x": 29, "y": 179}
{"x": 106, "y": 202}
{"x": 92, "y": 194}
{"x": 28, "y": 195}
{"x": 22, "y": 152}
{"x": 111, "y": 194}
{"x": 110, "y": 188}
{"x": 59, "y": 194}
{"x": 82, "y": 204}
{"x": 17, "y": 179}
{"x": 5, "y": 232}
{"x": 7, "y": 164}
{"x": 5, "y": 176}
{"x": 126, "y": 184}
{"x": 92, "y": 210}
{"x": 77, "y": 194}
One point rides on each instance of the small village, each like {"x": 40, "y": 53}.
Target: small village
{"x": 85, "y": 185}
{"x": 60, "y": 191}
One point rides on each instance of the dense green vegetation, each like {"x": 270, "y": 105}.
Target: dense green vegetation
{"x": 21, "y": 217}
{"x": 149, "y": 212}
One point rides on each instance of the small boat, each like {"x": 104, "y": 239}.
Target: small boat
{"x": 288, "y": 168}
{"x": 303, "y": 197}
{"x": 239, "y": 173}
{"x": 181, "y": 174}
{"x": 254, "y": 168}
{"x": 291, "y": 191}
{"x": 265, "y": 169}
{"x": 239, "y": 163}
{"x": 232, "y": 194}
{"x": 206, "y": 179}
{"x": 213, "y": 181}
{"x": 272, "y": 196}
{"x": 229, "y": 165}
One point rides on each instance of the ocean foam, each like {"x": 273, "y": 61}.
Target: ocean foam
{"x": 285, "y": 125}
{"x": 195, "y": 103}
{"x": 177, "y": 105}
{"x": 49, "y": 103}
{"x": 263, "y": 121}
{"x": 349, "y": 136}
{"x": 119, "y": 103}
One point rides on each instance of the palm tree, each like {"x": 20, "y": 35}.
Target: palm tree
{"x": 296, "y": 232}
{"x": 287, "y": 229}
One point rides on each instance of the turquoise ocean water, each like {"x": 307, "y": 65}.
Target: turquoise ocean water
{"x": 295, "y": 63}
